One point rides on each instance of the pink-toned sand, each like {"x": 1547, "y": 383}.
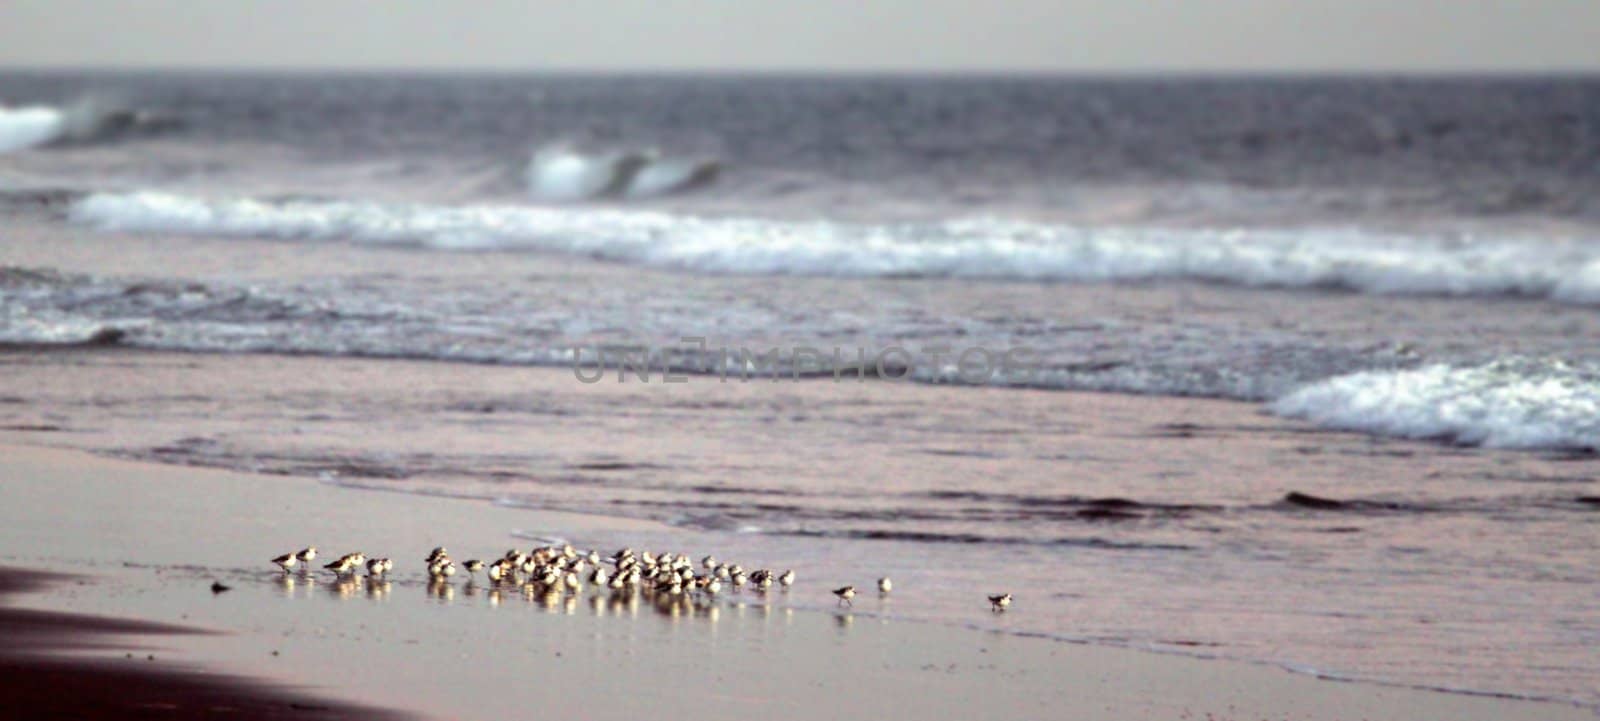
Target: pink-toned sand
{"x": 153, "y": 538}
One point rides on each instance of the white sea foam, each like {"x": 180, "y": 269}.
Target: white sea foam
{"x": 27, "y": 127}
{"x": 1514, "y": 403}
{"x": 1565, "y": 270}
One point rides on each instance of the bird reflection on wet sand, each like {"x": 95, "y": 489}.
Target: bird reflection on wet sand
{"x": 561, "y": 580}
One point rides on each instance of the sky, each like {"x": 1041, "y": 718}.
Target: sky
{"x": 1078, "y": 36}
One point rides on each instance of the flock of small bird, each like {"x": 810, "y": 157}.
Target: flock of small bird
{"x": 564, "y": 568}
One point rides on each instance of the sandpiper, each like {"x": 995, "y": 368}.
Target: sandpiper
{"x": 498, "y": 570}
{"x": 599, "y": 577}
{"x": 306, "y": 556}
{"x": 341, "y": 567}
{"x": 885, "y": 585}
{"x": 999, "y": 603}
{"x": 787, "y": 579}
{"x": 473, "y": 566}
{"x": 375, "y": 567}
{"x": 845, "y": 594}
{"x": 708, "y": 563}
{"x": 286, "y": 562}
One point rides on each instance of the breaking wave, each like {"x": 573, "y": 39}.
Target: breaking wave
{"x": 84, "y": 121}
{"x": 561, "y": 173}
{"x": 26, "y": 127}
{"x": 1364, "y": 261}
{"x": 1513, "y": 403}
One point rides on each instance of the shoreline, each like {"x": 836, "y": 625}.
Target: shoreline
{"x": 582, "y": 642}
{"x": 291, "y": 419}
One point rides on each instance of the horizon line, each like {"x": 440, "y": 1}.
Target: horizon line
{"x": 801, "y": 72}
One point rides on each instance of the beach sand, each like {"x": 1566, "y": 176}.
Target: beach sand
{"x": 151, "y": 539}
{"x": 41, "y": 681}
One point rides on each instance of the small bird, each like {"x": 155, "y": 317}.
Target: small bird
{"x": 787, "y": 579}
{"x": 341, "y": 567}
{"x": 599, "y": 577}
{"x": 219, "y": 587}
{"x": 999, "y": 603}
{"x": 498, "y": 570}
{"x": 306, "y": 556}
{"x": 845, "y": 594}
{"x": 377, "y": 567}
{"x": 708, "y": 563}
{"x": 473, "y": 566}
{"x": 286, "y": 562}
{"x": 885, "y": 585}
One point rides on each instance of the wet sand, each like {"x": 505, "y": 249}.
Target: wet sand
{"x": 155, "y": 537}
{"x": 1352, "y": 593}
{"x": 38, "y": 681}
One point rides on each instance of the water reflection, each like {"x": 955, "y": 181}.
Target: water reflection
{"x": 556, "y": 598}
{"x": 345, "y": 587}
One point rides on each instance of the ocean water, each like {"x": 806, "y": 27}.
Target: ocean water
{"x": 1415, "y": 260}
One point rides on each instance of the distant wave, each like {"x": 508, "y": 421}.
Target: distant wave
{"x": 86, "y": 120}
{"x": 1364, "y": 261}
{"x": 565, "y": 174}
{"x": 1513, "y": 403}
{"x": 26, "y": 127}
